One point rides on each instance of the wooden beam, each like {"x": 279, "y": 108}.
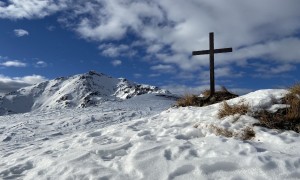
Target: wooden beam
{"x": 223, "y": 50}
{"x": 212, "y": 63}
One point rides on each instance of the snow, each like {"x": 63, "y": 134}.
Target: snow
{"x": 146, "y": 138}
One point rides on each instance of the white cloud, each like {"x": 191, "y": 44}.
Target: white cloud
{"x": 185, "y": 75}
{"x": 112, "y": 50}
{"x": 154, "y": 75}
{"x": 19, "y": 9}
{"x": 8, "y": 84}
{"x": 154, "y": 48}
{"x": 33, "y": 79}
{"x": 271, "y": 70}
{"x": 282, "y": 68}
{"x": 183, "y": 27}
{"x": 163, "y": 68}
{"x": 137, "y": 75}
{"x": 21, "y": 32}
{"x": 221, "y": 72}
{"x": 13, "y": 63}
{"x": 116, "y": 18}
{"x": 40, "y": 64}
{"x": 182, "y": 61}
{"x": 51, "y": 28}
{"x": 116, "y": 62}
{"x": 284, "y": 50}
{"x": 274, "y": 69}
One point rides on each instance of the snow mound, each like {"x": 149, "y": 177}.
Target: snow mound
{"x": 138, "y": 140}
{"x": 81, "y": 90}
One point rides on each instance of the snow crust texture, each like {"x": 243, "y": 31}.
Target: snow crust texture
{"x": 142, "y": 138}
{"x": 76, "y": 91}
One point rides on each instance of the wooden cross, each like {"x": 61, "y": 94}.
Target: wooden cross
{"x": 211, "y": 53}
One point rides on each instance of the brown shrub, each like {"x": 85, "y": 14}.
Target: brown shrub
{"x": 193, "y": 100}
{"x": 287, "y": 118}
{"x": 278, "y": 120}
{"x": 227, "y": 110}
{"x": 295, "y": 89}
{"x": 223, "y": 90}
{"x": 248, "y": 133}
{"x": 293, "y": 111}
{"x": 206, "y": 93}
{"x": 219, "y": 96}
{"x": 188, "y": 100}
{"x": 293, "y": 100}
{"x": 245, "y": 134}
{"x": 221, "y": 131}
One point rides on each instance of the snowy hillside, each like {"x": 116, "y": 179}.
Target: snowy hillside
{"x": 144, "y": 138}
{"x": 76, "y": 91}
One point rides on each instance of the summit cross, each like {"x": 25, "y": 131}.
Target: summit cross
{"x": 212, "y": 51}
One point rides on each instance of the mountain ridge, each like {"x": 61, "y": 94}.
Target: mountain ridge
{"x": 81, "y": 90}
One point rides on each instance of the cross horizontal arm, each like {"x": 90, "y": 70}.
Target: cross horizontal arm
{"x": 224, "y": 50}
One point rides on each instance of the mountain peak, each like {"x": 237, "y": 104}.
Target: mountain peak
{"x": 80, "y": 90}
{"x": 93, "y": 72}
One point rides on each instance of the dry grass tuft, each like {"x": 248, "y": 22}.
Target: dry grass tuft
{"x": 221, "y": 131}
{"x": 227, "y": 110}
{"x": 295, "y": 89}
{"x": 245, "y": 134}
{"x": 287, "y": 118}
{"x": 188, "y": 100}
{"x": 293, "y": 112}
{"x": 293, "y": 100}
{"x": 206, "y": 93}
{"x": 223, "y": 90}
{"x": 278, "y": 120}
{"x": 193, "y": 100}
{"x": 248, "y": 133}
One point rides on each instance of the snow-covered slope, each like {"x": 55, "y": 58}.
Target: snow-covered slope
{"x": 76, "y": 91}
{"x": 140, "y": 139}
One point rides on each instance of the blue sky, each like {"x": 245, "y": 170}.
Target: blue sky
{"x": 151, "y": 42}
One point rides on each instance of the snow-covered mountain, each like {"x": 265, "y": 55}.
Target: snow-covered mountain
{"x": 76, "y": 91}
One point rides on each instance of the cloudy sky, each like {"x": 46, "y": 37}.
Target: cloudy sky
{"x": 151, "y": 41}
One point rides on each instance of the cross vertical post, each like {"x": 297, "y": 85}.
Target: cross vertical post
{"x": 211, "y": 53}
{"x": 212, "y": 63}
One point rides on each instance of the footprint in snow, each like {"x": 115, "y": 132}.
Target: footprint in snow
{"x": 94, "y": 134}
{"x": 181, "y": 171}
{"x": 15, "y": 172}
{"x": 144, "y": 132}
{"x": 219, "y": 166}
{"x": 8, "y": 154}
{"x": 56, "y": 134}
{"x": 168, "y": 154}
{"x": 185, "y": 151}
{"x": 7, "y": 138}
{"x": 104, "y": 140}
{"x": 268, "y": 163}
{"x": 111, "y": 153}
{"x": 135, "y": 125}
